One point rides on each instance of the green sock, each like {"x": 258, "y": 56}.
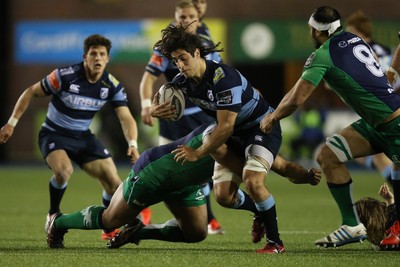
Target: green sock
{"x": 88, "y": 218}
{"x": 343, "y": 197}
{"x": 168, "y": 231}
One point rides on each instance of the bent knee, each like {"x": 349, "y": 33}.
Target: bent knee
{"x": 197, "y": 236}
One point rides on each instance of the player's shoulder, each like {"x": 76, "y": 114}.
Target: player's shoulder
{"x": 70, "y": 71}
{"x": 110, "y": 79}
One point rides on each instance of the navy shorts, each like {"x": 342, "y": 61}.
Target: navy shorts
{"x": 80, "y": 148}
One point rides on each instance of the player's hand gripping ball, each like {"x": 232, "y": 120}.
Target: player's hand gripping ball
{"x": 170, "y": 92}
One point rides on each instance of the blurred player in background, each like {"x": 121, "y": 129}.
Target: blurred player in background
{"x": 186, "y": 14}
{"x": 78, "y": 93}
{"x": 394, "y": 69}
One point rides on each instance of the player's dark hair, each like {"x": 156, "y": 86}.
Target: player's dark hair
{"x": 175, "y": 37}
{"x": 374, "y": 215}
{"x": 96, "y": 40}
{"x": 326, "y": 14}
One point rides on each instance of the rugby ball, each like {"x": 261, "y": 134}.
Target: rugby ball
{"x": 170, "y": 92}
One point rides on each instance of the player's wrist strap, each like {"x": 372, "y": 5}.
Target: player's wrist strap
{"x": 132, "y": 143}
{"x": 13, "y": 121}
{"x": 146, "y": 103}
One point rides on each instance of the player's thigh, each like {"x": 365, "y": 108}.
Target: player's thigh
{"x": 358, "y": 145}
{"x": 118, "y": 212}
{"x": 104, "y": 170}
{"x": 59, "y": 163}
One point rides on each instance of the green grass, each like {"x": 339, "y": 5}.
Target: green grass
{"x": 305, "y": 213}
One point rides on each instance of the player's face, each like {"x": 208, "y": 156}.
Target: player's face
{"x": 187, "y": 64}
{"x": 201, "y": 6}
{"x": 185, "y": 16}
{"x": 96, "y": 59}
{"x": 313, "y": 34}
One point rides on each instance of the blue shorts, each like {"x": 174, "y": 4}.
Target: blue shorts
{"x": 80, "y": 148}
{"x": 241, "y": 139}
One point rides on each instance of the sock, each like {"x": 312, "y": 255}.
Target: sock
{"x": 168, "y": 231}
{"x": 369, "y": 162}
{"x": 396, "y": 191}
{"x": 244, "y": 202}
{"x": 56, "y": 191}
{"x": 206, "y": 191}
{"x": 342, "y": 193}
{"x": 267, "y": 212}
{"x": 88, "y": 218}
{"x": 210, "y": 214}
{"x": 106, "y": 199}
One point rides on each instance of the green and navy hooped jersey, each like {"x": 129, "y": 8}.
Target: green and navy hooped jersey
{"x": 225, "y": 88}
{"x": 347, "y": 64}
{"x": 158, "y": 164}
{"x": 75, "y": 100}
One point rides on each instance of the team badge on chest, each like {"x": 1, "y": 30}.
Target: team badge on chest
{"x": 210, "y": 95}
{"x": 104, "y": 93}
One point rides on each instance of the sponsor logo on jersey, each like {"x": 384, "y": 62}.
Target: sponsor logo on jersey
{"x": 114, "y": 81}
{"x": 210, "y": 95}
{"x": 83, "y": 102}
{"x": 104, "y": 93}
{"x": 136, "y": 202}
{"x": 218, "y": 75}
{"x": 74, "y": 88}
{"x": 224, "y": 98}
{"x": 354, "y": 40}
{"x": 258, "y": 138}
{"x": 309, "y": 59}
{"x": 156, "y": 60}
{"x": 66, "y": 71}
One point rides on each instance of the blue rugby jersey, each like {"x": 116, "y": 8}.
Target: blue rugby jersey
{"x": 225, "y": 88}
{"x": 75, "y": 100}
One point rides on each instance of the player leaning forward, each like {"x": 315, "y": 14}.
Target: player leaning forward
{"x": 348, "y": 65}
{"x": 78, "y": 93}
{"x": 225, "y": 94}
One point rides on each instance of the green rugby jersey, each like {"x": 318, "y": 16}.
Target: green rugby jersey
{"x": 347, "y": 64}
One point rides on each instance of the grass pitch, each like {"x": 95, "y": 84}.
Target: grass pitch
{"x": 305, "y": 213}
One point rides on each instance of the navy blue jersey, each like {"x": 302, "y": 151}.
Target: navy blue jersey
{"x": 225, "y": 88}
{"x": 75, "y": 100}
{"x": 347, "y": 64}
{"x": 193, "y": 116}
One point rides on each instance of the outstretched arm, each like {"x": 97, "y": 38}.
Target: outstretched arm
{"x": 129, "y": 128}
{"x": 296, "y": 173}
{"x": 20, "y": 107}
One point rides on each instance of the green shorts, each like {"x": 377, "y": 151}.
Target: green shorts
{"x": 384, "y": 138}
{"x": 140, "y": 192}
